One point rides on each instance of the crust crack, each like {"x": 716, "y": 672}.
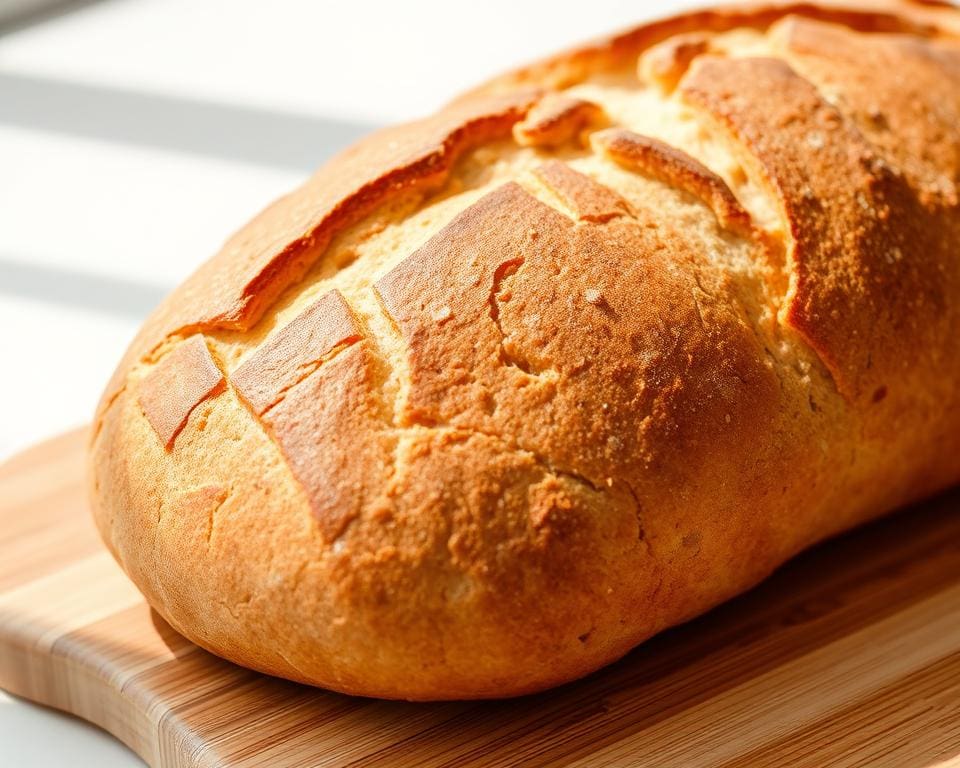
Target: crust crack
{"x": 305, "y": 370}
{"x": 638, "y": 513}
{"x": 212, "y": 513}
{"x": 541, "y": 460}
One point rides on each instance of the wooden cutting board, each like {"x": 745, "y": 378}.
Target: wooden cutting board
{"x": 849, "y": 656}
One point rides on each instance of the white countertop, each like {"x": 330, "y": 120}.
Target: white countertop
{"x": 135, "y": 135}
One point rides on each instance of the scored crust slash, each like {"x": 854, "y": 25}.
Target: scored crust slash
{"x": 499, "y": 394}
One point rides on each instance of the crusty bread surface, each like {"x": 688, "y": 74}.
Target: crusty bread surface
{"x": 496, "y": 395}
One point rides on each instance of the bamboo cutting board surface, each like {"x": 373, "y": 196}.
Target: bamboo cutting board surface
{"x": 849, "y": 656}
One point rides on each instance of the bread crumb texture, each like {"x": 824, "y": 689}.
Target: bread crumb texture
{"x": 497, "y": 395}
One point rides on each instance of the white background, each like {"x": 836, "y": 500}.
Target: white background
{"x": 135, "y": 135}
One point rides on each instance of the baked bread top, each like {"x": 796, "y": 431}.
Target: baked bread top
{"x": 625, "y": 328}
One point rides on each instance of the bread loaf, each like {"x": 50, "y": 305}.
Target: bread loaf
{"x": 499, "y": 394}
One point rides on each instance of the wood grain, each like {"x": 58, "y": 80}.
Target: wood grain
{"x": 849, "y": 656}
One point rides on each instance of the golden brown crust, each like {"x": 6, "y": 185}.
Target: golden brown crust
{"x": 666, "y": 62}
{"x": 494, "y": 413}
{"x": 674, "y": 167}
{"x": 277, "y": 247}
{"x": 178, "y": 384}
{"x": 588, "y": 200}
{"x": 597, "y": 293}
{"x": 849, "y": 216}
{"x": 903, "y": 16}
{"x": 912, "y": 125}
{"x": 343, "y": 472}
{"x": 234, "y": 287}
{"x": 295, "y": 351}
{"x": 273, "y": 251}
{"x": 555, "y": 120}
